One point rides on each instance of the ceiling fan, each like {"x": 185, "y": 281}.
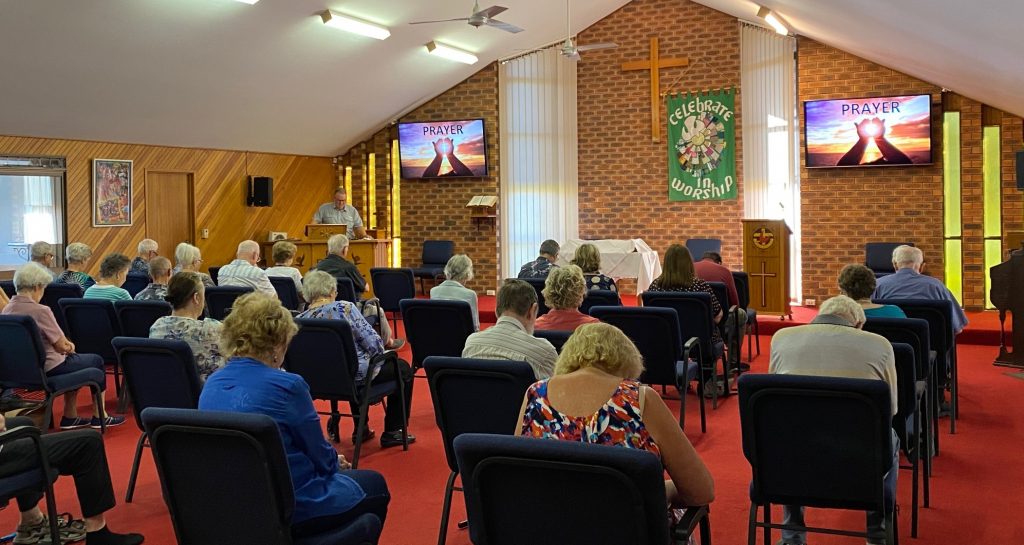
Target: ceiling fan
{"x": 480, "y": 17}
{"x": 570, "y": 50}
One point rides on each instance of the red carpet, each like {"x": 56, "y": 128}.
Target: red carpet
{"x": 975, "y": 489}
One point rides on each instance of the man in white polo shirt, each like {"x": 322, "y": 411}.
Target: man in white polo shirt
{"x": 339, "y": 212}
{"x": 511, "y": 338}
{"x": 244, "y": 272}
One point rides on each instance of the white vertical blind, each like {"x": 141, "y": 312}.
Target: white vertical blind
{"x": 537, "y": 101}
{"x": 771, "y": 162}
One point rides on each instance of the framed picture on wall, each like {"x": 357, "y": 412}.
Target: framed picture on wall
{"x": 111, "y": 193}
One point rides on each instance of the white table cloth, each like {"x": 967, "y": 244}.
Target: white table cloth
{"x": 620, "y": 259}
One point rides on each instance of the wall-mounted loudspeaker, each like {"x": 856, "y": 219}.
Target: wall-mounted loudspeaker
{"x": 1020, "y": 170}
{"x": 261, "y": 191}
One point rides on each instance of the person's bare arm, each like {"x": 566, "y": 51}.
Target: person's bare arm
{"x": 691, "y": 479}
{"x": 3, "y": 299}
{"x": 522, "y": 414}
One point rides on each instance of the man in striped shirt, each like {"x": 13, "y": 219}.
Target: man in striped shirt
{"x": 511, "y": 338}
{"x": 244, "y": 272}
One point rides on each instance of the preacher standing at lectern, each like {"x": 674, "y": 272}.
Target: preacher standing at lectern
{"x": 339, "y": 212}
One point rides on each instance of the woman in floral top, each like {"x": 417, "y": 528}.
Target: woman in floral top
{"x": 78, "y": 256}
{"x": 187, "y": 296}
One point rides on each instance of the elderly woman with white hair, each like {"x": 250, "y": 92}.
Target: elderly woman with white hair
{"x": 29, "y": 282}
{"x": 77, "y": 255}
{"x": 189, "y": 258}
{"x": 320, "y": 290}
{"x": 457, "y": 272}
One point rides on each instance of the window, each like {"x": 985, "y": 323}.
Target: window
{"x": 31, "y": 207}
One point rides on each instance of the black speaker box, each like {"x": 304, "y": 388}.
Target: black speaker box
{"x": 261, "y": 191}
{"x": 1020, "y": 170}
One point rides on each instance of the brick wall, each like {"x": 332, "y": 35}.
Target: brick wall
{"x": 436, "y": 209}
{"x": 623, "y": 178}
{"x": 842, "y": 208}
{"x": 972, "y": 209}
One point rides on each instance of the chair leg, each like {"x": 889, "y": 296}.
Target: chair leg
{"x": 135, "y": 468}
{"x": 442, "y": 535}
{"x": 751, "y": 529}
{"x": 768, "y": 521}
{"x": 915, "y": 467}
{"x": 750, "y": 352}
{"x": 333, "y": 423}
{"x": 954, "y": 394}
{"x": 360, "y": 426}
{"x": 98, "y": 396}
{"x": 682, "y": 408}
{"x": 705, "y": 529}
{"x": 51, "y": 509}
{"x": 757, "y": 337}
{"x": 48, "y": 423}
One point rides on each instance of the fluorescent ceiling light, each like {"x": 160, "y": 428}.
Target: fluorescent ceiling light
{"x": 250, "y": 2}
{"x": 353, "y": 25}
{"x": 772, "y": 19}
{"x": 451, "y": 53}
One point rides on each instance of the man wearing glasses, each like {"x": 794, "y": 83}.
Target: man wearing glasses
{"x": 147, "y": 251}
{"x": 244, "y": 272}
{"x": 42, "y": 253}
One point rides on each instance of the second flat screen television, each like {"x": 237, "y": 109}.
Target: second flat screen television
{"x": 880, "y": 131}
{"x": 443, "y": 149}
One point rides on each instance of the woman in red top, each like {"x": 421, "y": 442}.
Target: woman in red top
{"x": 563, "y": 293}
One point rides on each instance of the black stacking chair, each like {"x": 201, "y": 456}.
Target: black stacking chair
{"x": 391, "y": 286}
{"x": 878, "y": 257}
{"x": 436, "y": 254}
{"x": 209, "y": 460}
{"x": 578, "y": 481}
{"x": 136, "y": 282}
{"x": 8, "y": 287}
{"x": 599, "y": 298}
{"x": 538, "y": 286}
{"x": 908, "y": 424}
{"x": 436, "y": 327}
{"x": 213, "y": 274}
{"x": 743, "y": 291}
{"x": 473, "y": 396}
{"x": 698, "y": 246}
{"x": 136, "y": 317}
{"x": 55, "y": 291}
{"x": 157, "y": 373}
{"x": 346, "y": 291}
{"x": 323, "y": 353}
{"x": 722, "y": 295}
{"x": 219, "y": 299}
{"x": 818, "y": 442}
{"x": 92, "y": 323}
{"x": 667, "y": 360}
{"x": 286, "y": 292}
{"x": 555, "y": 337}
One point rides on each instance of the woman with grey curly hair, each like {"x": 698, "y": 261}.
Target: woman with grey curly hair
{"x": 458, "y": 271}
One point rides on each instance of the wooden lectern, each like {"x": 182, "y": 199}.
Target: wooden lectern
{"x": 766, "y": 261}
{"x": 365, "y": 253}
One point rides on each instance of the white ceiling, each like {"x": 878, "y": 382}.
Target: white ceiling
{"x": 222, "y": 74}
{"x": 972, "y": 47}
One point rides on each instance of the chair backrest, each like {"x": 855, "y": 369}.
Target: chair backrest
{"x": 213, "y": 273}
{"x": 906, "y": 388}
{"x": 22, "y": 355}
{"x": 437, "y": 252}
{"x": 476, "y": 396}
{"x": 912, "y": 331}
{"x": 693, "y": 310}
{"x": 224, "y": 467}
{"x": 721, "y": 294}
{"x": 698, "y": 246}
{"x": 92, "y": 323}
{"x": 286, "y": 291}
{"x": 8, "y": 287}
{"x": 55, "y": 291}
{"x": 742, "y": 288}
{"x": 136, "y": 282}
{"x": 323, "y": 353}
{"x": 346, "y": 290}
{"x": 579, "y": 482}
{"x": 939, "y": 315}
{"x": 219, "y": 299}
{"x": 655, "y": 332}
{"x": 392, "y": 285}
{"x": 816, "y": 441}
{"x": 555, "y": 337}
{"x": 436, "y": 327}
{"x": 136, "y": 317}
{"x": 538, "y": 285}
{"x": 878, "y": 255}
{"x": 599, "y": 298}
{"x": 158, "y": 373}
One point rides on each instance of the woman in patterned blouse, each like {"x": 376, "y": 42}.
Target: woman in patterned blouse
{"x": 574, "y": 405}
{"x": 588, "y": 258}
{"x": 678, "y": 274}
{"x": 78, "y": 255}
{"x": 187, "y": 296}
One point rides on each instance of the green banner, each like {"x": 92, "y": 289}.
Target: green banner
{"x": 701, "y": 146}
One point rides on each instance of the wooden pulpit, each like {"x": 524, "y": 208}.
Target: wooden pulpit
{"x": 766, "y": 261}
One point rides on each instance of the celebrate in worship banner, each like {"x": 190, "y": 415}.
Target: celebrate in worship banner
{"x": 701, "y": 146}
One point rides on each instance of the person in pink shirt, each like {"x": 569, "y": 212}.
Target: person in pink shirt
{"x": 563, "y": 292}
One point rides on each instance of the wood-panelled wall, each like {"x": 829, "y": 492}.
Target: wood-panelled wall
{"x": 301, "y": 183}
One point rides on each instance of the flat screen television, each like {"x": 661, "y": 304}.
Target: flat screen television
{"x": 443, "y": 149}
{"x": 878, "y": 131}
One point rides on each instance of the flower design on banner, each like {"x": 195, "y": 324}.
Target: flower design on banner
{"x": 701, "y": 143}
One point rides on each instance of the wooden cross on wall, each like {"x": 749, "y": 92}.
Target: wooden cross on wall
{"x": 654, "y": 64}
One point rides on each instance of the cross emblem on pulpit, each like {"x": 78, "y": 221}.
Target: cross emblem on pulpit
{"x": 765, "y": 275}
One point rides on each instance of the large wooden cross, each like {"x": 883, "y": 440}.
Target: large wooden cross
{"x": 654, "y": 64}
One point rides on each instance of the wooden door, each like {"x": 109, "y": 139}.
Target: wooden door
{"x": 169, "y": 210}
